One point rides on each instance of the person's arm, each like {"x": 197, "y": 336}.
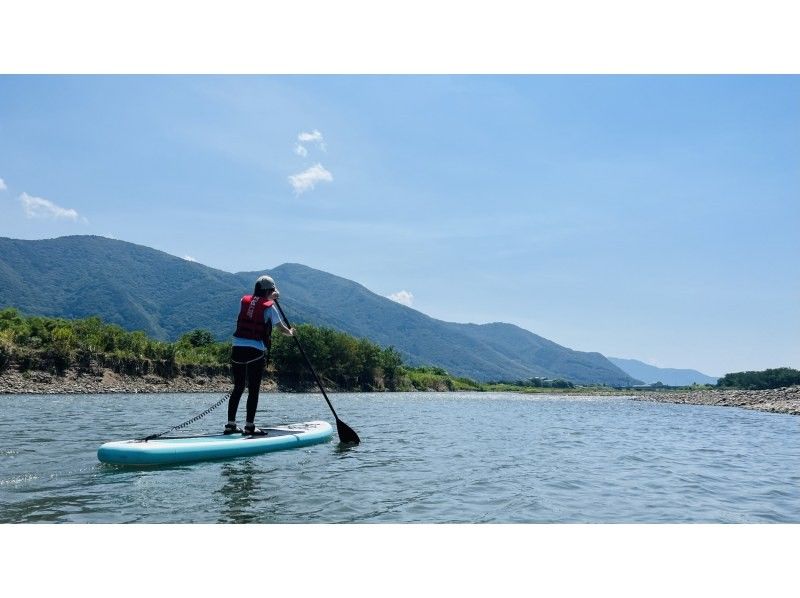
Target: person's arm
{"x": 285, "y": 330}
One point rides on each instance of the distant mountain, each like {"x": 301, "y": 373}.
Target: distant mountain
{"x": 141, "y": 288}
{"x": 650, "y": 374}
{"x": 484, "y": 352}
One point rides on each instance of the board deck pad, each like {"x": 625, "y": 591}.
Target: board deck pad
{"x": 187, "y": 449}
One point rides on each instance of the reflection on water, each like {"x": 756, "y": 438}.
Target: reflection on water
{"x": 424, "y": 457}
{"x": 238, "y": 491}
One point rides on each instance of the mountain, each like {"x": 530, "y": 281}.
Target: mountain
{"x": 134, "y": 286}
{"x": 484, "y": 352}
{"x": 650, "y": 374}
{"x": 141, "y": 288}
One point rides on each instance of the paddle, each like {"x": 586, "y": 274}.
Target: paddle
{"x": 346, "y": 434}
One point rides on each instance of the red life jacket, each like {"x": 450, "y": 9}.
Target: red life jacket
{"x": 250, "y": 323}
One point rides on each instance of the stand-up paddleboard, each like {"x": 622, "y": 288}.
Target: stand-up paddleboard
{"x": 168, "y": 450}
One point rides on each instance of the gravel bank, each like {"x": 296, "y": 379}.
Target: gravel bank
{"x": 777, "y": 400}
{"x": 105, "y": 381}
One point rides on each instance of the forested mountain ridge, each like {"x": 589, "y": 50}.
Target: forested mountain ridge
{"x": 141, "y": 288}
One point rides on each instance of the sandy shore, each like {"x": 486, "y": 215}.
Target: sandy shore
{"x": 777, "y": 400}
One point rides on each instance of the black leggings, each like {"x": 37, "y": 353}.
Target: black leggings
{"x": 248, "y": 367}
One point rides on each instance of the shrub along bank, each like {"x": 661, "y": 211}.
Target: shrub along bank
{"x": 57, "y": 345}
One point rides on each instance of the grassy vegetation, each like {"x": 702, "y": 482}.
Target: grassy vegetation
{"x": 772, "y": 378}
{"x": 57, "y": 344}
{"x": 342, "y": 361}
{"x": 435, "y": 378}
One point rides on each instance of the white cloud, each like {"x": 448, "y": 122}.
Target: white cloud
{"x": 3, "y": 185}
{"x": 403, "y": 297}
{"x": 307, "y": 179}
{"x": 189, "y": 258}
{"x": 38, "y": 207}
{"x": 300, "y": 150}
{"x": 312, "y": 136}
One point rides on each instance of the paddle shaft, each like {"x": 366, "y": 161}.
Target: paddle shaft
{"x": 308, "y": 362}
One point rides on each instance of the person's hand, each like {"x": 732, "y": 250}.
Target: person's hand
{"x": 290, "y": 332}
{"x": 275, "y": 294}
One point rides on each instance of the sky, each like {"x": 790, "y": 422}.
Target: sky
{"x": 645, "y": 217}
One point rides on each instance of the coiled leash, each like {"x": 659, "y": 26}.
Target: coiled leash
{"x": 187, "y": 422}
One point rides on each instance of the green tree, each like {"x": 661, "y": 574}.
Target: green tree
{"x": 770, "y": 378}
{"x": 197, "y": 338}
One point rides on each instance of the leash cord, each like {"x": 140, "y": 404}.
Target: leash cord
{"x": 187, "y": 422}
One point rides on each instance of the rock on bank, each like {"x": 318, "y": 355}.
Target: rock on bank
{"x": 107, "y": 381}
{"x": 776, "y": 400}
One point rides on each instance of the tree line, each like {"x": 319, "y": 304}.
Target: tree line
{"x": 342, "y": 361}
{"x": 771, "y": 378}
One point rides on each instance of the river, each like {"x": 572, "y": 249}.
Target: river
{"x": 424, "y": 458}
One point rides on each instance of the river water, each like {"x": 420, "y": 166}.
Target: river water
{"x": 424, "y": 458}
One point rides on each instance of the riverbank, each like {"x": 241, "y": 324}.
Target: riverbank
{"x": 776, "y": 400}
{"x": 100, "y": 380}
{"x": 104, "y": 380}
{"x": 107, "y": 381}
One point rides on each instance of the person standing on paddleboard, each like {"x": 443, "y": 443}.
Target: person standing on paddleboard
{"x": 251, "y": 344}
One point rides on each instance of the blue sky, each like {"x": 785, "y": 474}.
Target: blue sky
{"x": 653, "y": 217}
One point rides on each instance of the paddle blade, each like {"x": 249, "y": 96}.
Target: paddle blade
{"x": 346, "y": 434}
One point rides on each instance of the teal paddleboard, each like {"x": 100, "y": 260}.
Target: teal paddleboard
{"x": 169, "y": 450}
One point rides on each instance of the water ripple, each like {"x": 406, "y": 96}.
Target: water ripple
{"x": 425, "y": 457}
